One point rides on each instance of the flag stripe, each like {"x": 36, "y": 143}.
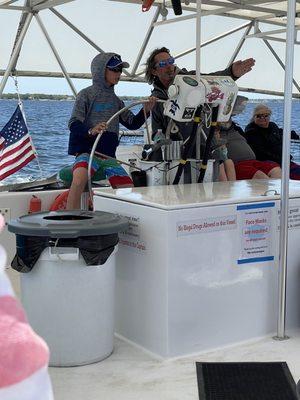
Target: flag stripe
{"x": 17, "y": 163}
{"x": 11, "y": 155}
{"x": 7, "y": 152}
{"x": 12, "y": 171}
{"x": 25, "y": 152}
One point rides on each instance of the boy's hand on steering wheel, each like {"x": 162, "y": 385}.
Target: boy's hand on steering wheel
{"x": 98, "y": 129}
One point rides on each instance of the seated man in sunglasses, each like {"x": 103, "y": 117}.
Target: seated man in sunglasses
{"x": 265, "y": 139}
{"x": 93, "y": 107}
{"x": 161, "y": 71}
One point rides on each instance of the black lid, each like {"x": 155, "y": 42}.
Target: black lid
{"x": 68, "y": 224}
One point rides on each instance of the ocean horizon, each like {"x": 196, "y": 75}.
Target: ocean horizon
{"x": 47, "y": 122}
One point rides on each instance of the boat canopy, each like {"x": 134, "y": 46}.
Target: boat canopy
{"x": 229, "y": 28}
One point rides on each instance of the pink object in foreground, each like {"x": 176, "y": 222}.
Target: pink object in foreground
{"x": 24, "y": 355}
{"x": 22, "y": 351}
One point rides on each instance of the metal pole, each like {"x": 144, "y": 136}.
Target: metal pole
{"x": 198, "y": 40}
{"x": 145, "y": 42}
{"x": 19, "y": 30}
{"x": 278, "y": 59}
{"x": 81, "y": 34}
{"x": 64, "y": 71}
{"x": 16, "y": 52}
{"x": 284, "y": 202}
{"x": 75, "y": 29}
{"x": 240, "y": 45}
{"x": 214, "y": 39}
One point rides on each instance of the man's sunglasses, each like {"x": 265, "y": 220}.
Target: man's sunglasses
{"x": 164, "y": 63}
{"x": 116, "y": 69}
{"x": 261, "y": 116}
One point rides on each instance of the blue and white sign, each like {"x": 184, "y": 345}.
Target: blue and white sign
{"x": 256, "y": 234}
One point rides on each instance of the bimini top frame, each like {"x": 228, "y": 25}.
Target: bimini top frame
{"x": 253, "y": 12}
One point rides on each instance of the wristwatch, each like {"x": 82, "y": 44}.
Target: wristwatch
{"x": 90, "y": 133}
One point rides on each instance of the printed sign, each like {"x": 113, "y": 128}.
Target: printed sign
{"x": 293, "y": 218}
{"x": 255, "y": 222}
{"x": 131, "y": 238}
{"x": 204, "y": 225}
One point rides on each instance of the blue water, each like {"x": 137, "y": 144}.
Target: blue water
{"x": 47, "y": 122}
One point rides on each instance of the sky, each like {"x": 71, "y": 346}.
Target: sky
{"x": 121, "y": 28}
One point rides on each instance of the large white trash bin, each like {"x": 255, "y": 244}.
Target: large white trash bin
{"x": 67, "y": 288}
{"x": 71, "y": 305}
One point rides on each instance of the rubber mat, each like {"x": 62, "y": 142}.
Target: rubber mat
{"x": 245, "y": 381}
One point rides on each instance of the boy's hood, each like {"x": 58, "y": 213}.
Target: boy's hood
{"x": 98, "y": 66}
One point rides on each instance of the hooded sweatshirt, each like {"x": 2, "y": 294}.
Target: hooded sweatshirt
{"x": 98, "y": 103}
{"x": 159, "y": 120}
{"x": 265, "y": 142}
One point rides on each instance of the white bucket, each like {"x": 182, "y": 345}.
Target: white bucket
{"x": 155, "y": 171}
{"x": 71, "y": 305}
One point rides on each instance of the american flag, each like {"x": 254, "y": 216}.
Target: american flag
{"x": 16, "y": 148}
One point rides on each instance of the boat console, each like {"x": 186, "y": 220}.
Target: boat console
{"x": 197, "y": 268}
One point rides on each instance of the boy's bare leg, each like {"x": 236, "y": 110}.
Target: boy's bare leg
{"x": 80, "y": 176}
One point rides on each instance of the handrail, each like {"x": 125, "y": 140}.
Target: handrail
{"x": 135, "y": 103}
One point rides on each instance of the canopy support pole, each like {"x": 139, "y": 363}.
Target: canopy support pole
{"x": 146, "y": 41}
{"x": 206, "y": 43}
{"x": 284, "y": 202}
{"x": 16, "y": 52}
{"x": 278, "y": 59}
{"x": 240, "y": 45}
{"x": 80, "y": 33}
{"x": 198, "y": 40}
{"x": 64, "y": 71}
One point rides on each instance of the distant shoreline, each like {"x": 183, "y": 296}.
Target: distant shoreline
{"x": 42, "y": 96}
{"x": 66, "y": 97}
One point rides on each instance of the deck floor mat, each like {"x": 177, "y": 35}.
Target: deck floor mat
{"x": 245, "y": 381}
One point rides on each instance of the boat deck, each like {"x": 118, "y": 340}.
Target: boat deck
{"x": 131, "y": 374}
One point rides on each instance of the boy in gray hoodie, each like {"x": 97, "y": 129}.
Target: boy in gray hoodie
{"x": 93, "y": 107}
